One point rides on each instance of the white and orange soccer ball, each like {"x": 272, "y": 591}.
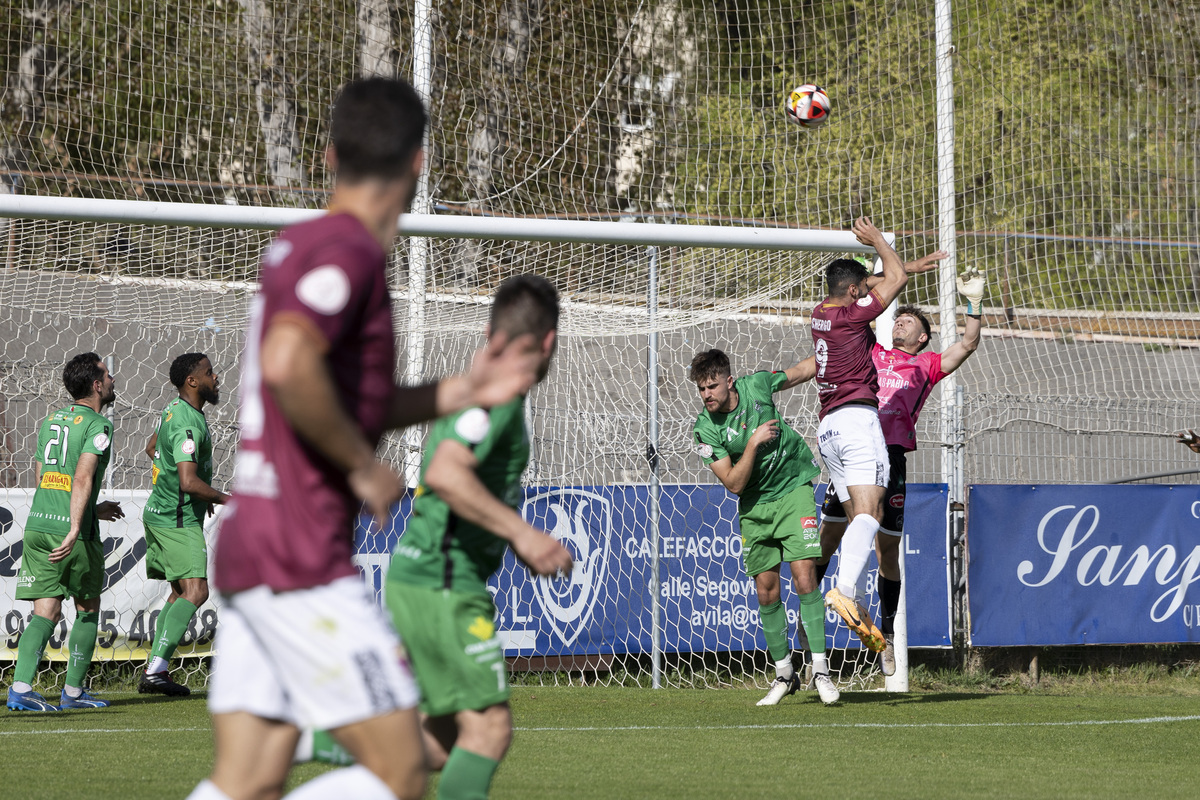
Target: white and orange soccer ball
{"x": 808, "y": 106}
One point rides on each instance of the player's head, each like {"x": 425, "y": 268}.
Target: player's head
{"x": 711, "y": 373}
{"x": 86, "y": 375}
{"x": 912, "y": 331}
{"x": 193, "y": 372}
{"x": 843, "y": 275}
{"x": 527, "y": 304}
{"x": 377, "y": 130}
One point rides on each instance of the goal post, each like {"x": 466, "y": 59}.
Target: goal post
{"x": 613, "y": 420}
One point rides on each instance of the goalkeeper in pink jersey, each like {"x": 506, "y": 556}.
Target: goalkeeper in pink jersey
{"x": 906, "y": 377}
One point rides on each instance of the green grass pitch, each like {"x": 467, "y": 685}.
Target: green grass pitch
{"x": 674, "y": 743}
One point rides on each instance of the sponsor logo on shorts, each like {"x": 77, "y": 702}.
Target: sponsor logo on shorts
{"x": 24, "y": 580}
{"x": 896, "y": 501}
{"x": 56, "y": 481}
{"x": 482, "y": 628}
{"x": 809, "y": 526}
{"x": 582, "y": 522}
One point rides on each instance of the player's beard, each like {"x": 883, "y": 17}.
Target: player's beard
{"x": 109, "y": 397}
{"x": 210, "y": 395}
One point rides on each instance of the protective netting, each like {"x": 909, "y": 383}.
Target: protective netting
{"x": 1075, "y": 182}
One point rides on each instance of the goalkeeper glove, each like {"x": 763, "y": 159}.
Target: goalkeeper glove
{"x": 970, "y": 286}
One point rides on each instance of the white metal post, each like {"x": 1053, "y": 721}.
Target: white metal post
{"x": 652, "y": 456}
{"x": 108, "y": 474}
{"x": 947, "y": 294}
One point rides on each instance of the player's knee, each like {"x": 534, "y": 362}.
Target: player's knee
{"x": 197, "y": 595}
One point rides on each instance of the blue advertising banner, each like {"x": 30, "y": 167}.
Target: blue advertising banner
{"x": 1062, "y": 565}
{"x": 707, "y": 602}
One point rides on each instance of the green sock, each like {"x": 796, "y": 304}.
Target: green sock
{"x": 812, "y": 617}
{"x": 82, "y": 643}
{"x": 31, "y": 647}
{"x": 327, "y": 750}
{"x": 172, "y": 629}
{"x": 775, "y": 629}
{"x": 466, "y": 776}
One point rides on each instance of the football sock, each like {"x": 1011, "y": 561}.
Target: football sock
{"x": 357, "y": 782}
{"x": 31, "y": 647}
{"x": 812, "y": 617}
{"x": 170, "y": 632}
{"x": 784, "y": 669}
{"x": 889, "y": 601}
{"x": 207, "y": 790}
{"x": 774, "y": 623}
{"x": 820, "y": 664}
{"x": 856, "y": 549}
{"x": 321, "y": 746}
{"x": 821, "y": 570}
{"x": 466, "y": 776}
{"x": 81, "y": 645}
{"x": 158, "y": 664}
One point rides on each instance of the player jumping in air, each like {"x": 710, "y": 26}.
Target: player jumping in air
{"x": 463, "y": 520}
{"x": 301, "y": 641}
{"x": 759, "y": 458}
{"x": 174, "y": 515}
{"x": 906, "y": 377}
{"x": 849, "y": 436}
{"x": 62, "y": 554}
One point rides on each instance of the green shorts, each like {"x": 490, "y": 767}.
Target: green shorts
{"x": 80, "y": 574}
{"x": 452, "y": 647}
{"x": 780, "y": 530}
{"x": 174, "y": 553}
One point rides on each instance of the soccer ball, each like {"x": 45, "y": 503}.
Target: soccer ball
{"x": 808, "y": 106}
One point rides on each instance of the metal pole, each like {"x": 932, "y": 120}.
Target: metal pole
{"x": 418, "y": 246}
{"x": 652, "y": 457}
{"x": 948, "y": 298}
{"x": 108, "y": 474}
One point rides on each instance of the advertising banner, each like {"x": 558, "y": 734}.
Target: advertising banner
{"x": 1064, "y": 565}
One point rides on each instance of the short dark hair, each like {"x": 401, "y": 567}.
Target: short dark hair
{"x": 841, "y": 274}
{"x": 913, "y": 311}
{"x": 183, "y": 366}
{"x": 709, "y": 364}
{"x": 378, "y": 126}
{"x": 525, "y": 304}
{"x": 80, "y": 373}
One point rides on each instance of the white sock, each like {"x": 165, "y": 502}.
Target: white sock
{"x": 72, "y": 691}
{"x": 783, "y": 669}
{"x": 207, "y": 790}
{"x": 356, "y": 781}
{"x": 820, "y": 664}
{"x": 855, "y": 550}
{"x": 158, "y": 664}
{"x": 20, "y": 687}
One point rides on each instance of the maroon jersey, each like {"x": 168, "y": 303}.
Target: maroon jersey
{"x": 905, "y": 381}
{"x": 842, "y": 342}
{"x": 290, "y": 522}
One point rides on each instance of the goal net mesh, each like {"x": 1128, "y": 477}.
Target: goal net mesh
{"x": 638, "y": 110}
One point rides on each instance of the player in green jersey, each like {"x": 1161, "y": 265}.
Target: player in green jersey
{"x": 759, "y": 458}
{"x": 174, "y": 515}
{"x": 62, "y": 554}
{"x": 463, "y": 519}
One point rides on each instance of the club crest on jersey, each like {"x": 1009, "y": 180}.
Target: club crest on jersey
{"x": 582, "y": 522}
{"x": 864, "y": 301}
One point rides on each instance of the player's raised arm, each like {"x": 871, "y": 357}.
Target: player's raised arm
{"x": 894, "y": 276}
{"x": 923, "y": 264}
{"x": 970, "y": 285}
{"x": 804, "y": 371}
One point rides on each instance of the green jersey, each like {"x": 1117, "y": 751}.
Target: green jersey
{"x": 781, "y": 465}
{"x": 440, "y": 550}
{"x": 66, "y": 435}
{"x": 182, "y": 436}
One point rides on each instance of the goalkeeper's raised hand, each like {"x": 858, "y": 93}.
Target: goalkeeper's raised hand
{"x": 970, "y": 286}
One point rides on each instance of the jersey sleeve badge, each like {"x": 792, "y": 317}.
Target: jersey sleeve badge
{"x": 473, "y": 425}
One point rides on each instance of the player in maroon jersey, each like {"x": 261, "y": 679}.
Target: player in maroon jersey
{"x": 907, "y": 375}
{"x": 302, "y": 642}
{"x": 849, "y": 436}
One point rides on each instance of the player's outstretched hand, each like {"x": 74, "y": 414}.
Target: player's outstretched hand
{"x": 109, "y": 510}
{"x": 542, "y": 553}
{"x": 378, "y": 487}
{"x": 64, "y": 549}
{"x": 865, "y": 231}
{"x": 970, "y": 286}
{"x": 1189, "y": 440}
{"x": 503, "y": 369}
{"x": 925, "y": 263}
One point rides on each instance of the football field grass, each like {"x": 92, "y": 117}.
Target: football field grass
{"x": 676, "y": 743}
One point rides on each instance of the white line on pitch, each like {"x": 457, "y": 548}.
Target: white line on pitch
{"x": 1141, "y": 721}
{"x": 102, "y": 730}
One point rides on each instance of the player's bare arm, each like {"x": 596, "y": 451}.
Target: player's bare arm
{"x": 501, "y": 370}
{"x": 736, "y": 476}
{"x": 81, "y": 497}
{"x": 971, "y": 286}
{"x": 925, "y": 263}
{"x": 295, "y": 372}
{"x": 451, "y": 475}
{"x": 190, "y": 483}
{"x": 804, "y": 371}
{"x": 1189, "y": 440}
{"x": 151, "y": 443}
{"x": 109, "y": 511}
{"x": 894, "y": 276}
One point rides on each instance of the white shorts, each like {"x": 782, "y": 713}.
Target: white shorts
{"x": 318, "y": 658}
{"x": 851, "y": 444}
